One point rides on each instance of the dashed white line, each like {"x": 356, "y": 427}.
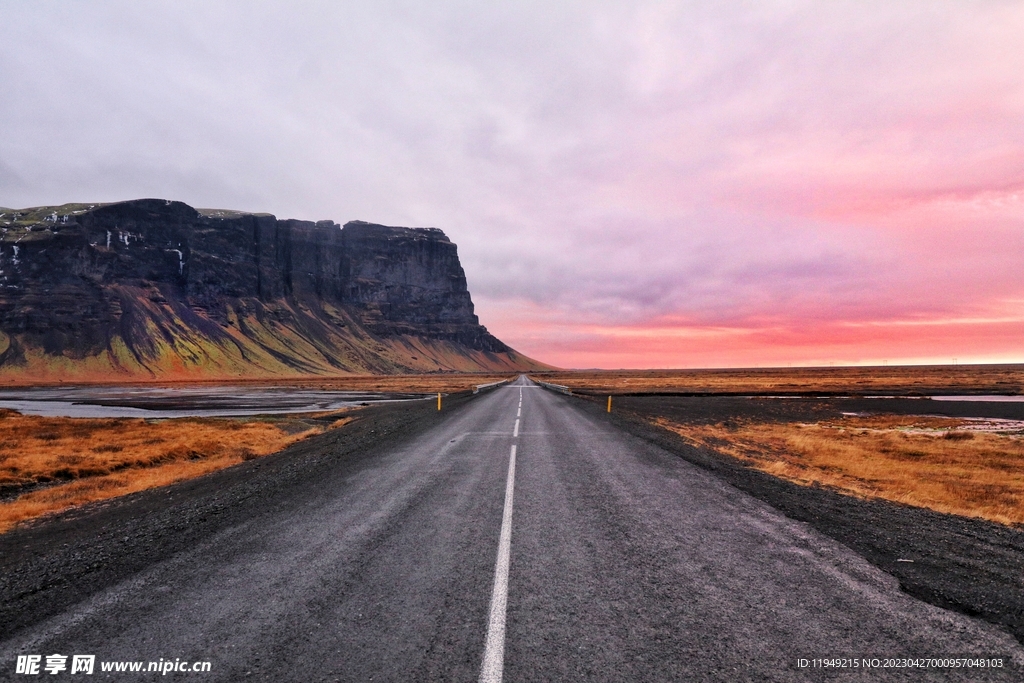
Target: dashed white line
{"x": 494, "y": 650}
{"x": 519, "y": 413}
{"x": 515, "y": 430}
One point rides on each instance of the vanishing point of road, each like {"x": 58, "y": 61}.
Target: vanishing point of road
{"x": 520, "y": 539}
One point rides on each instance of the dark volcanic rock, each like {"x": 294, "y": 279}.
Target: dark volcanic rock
{"x": 155, "y": 286}
{"x": 408, "y": 281}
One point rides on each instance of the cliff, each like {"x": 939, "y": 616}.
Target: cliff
{"x": 156, "y": 289}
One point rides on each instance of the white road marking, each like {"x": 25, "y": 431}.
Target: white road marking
{"x": 515, "y": 430}
{"x": 494, "y": 650}
{"x": 519, "y": 413}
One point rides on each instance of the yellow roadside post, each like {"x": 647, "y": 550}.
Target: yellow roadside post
{"x": 609, "y": 404}
{"x": 439, "y": 400}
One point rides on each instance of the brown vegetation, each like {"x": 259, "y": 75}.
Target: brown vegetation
{"x": 446, "y": 383}
{"x": 431, "y": 383}
{"x": 903, "y": 380}
{"x": 939, "y": 463}
{"x": 51, "y": 464}
{"x": 58, "y": 463}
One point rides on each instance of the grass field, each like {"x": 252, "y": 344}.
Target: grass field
{"x": 902, "y": 380}
{"x": 429, "y": 383}
{"x": 446, "y": 383}
{"x": 51, "y": 464}
{"x": 946, "y": 464}
{"x": 58, "y": 463}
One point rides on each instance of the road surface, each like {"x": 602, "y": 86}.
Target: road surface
{"x": 521, "y": 539}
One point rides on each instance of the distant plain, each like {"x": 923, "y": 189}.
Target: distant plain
{"x": 912, "y": 380}
{"x": 863, "y": 431}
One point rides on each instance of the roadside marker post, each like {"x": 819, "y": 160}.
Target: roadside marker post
{"x": 439, "y": 400}
{"x": 609, "y": 404}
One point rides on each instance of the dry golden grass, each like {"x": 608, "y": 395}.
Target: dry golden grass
{"x": 921, "y": 461}
{"x": 431, "y": 383}
{"x": 70, "y": 461}
{"x": 948, "y": 379}
{"x": 414, "y": 384}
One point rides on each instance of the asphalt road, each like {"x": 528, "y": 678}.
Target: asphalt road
{"x": 603, "y": 558}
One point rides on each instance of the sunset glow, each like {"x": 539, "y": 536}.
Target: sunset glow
{"x": 658, "y": 185}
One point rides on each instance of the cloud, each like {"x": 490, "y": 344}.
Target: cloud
{"x": 779, "y": 170}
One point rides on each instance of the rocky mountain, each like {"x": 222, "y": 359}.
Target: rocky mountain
{"x": 156, "y": 289}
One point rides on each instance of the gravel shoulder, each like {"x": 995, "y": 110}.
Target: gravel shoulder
{"x": 55, "y": 562}
{"x": 968, "y": 565}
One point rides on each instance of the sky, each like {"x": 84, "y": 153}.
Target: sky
{"x": 630, "y": 185}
